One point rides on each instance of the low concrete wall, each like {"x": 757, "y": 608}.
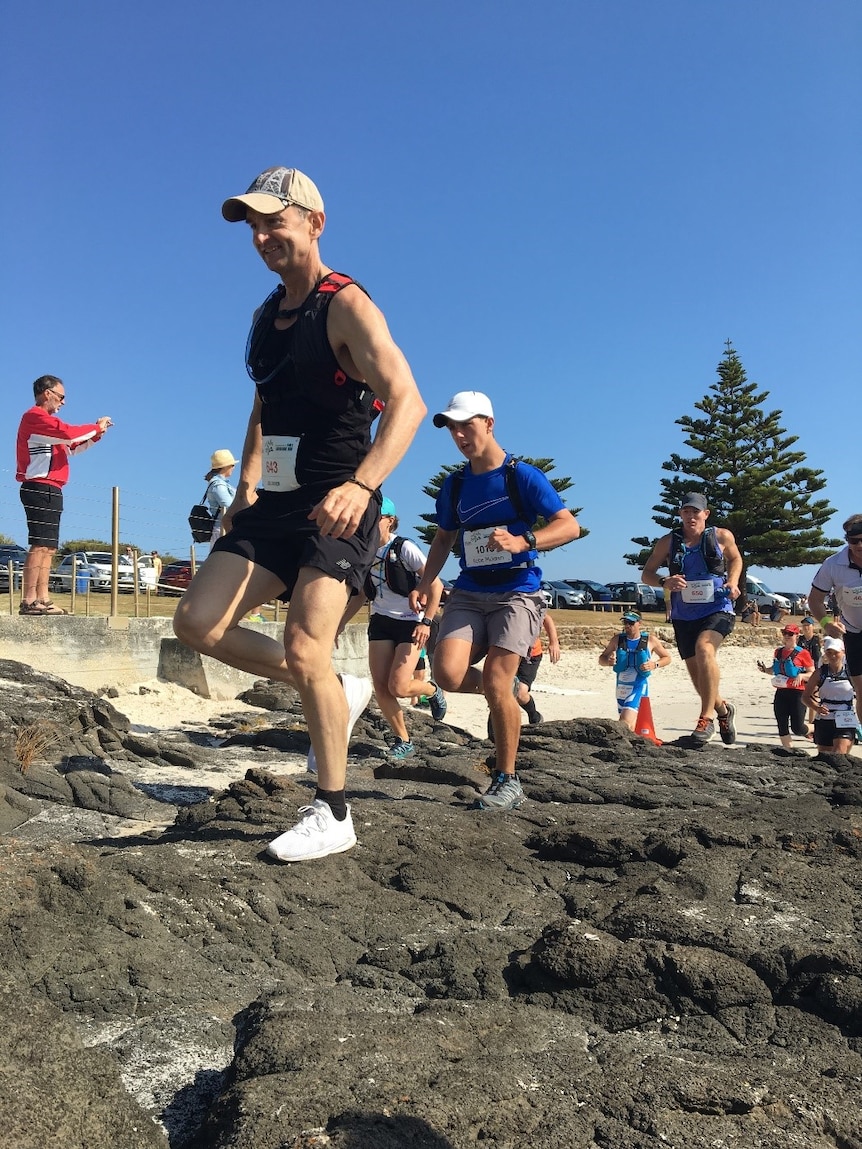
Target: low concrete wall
{"x": 100, "y": 652}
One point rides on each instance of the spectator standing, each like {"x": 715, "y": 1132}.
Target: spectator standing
{"x": 496, "y": 608}
{"x": 705, "y": 568}
{"x": 633, "y": 654}
{"x": 840, "y": 577}
{"x": 43, "y": 448}
{"x": 323, "y": 365}
{"x": 791, "y": 668}
{"x": 220, "y": 493}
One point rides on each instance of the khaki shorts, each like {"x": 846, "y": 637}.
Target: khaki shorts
{"x": 511, "y": 621}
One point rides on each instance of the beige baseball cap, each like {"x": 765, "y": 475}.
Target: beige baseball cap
{"x": 273, "y": 191}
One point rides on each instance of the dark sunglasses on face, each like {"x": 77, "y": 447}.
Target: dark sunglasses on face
{"x": 853, "y": 539}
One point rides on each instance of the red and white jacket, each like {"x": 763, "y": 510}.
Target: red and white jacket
{"x": 45, "y": 444}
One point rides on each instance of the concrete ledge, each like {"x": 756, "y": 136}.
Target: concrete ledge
{"x": 212, "y": 679}
{"x": 99, "y": 652}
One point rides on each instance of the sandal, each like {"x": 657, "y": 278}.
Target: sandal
{"x": 31, "y": 608}
{"x": 49, "y": 607}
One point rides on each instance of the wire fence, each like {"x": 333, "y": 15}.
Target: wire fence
{"x": 126, "y": 571}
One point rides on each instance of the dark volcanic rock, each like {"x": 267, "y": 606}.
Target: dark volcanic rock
{"x": 660, "y": 948}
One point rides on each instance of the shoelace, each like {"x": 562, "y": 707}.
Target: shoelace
{"x": 308, "y": 814}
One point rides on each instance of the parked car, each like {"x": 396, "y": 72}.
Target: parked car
{"x": 798, "y": 602}
{"x": 11, "y": 552}
{"x": 768, "y": 601}
{"x": 561, "y": 596}
{"x": 642, "y": 596}
{"x": 591, "y": 590}
{"x": 146, "y": 573}
{"x": 94, "y": 566}
{"x": 176, "y": 577}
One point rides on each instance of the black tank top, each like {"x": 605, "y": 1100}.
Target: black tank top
{"x": 305, "y": 393}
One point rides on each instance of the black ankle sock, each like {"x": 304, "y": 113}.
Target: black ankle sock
{"x": 530, "y": 708}
{"x": 335, "y": 800}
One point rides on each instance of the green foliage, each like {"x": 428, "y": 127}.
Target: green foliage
{"x": 6, "y": 541}
{"x": 73, "y": 545}
{"x": 756, "y": 484}
{"x": 428, "y": 529}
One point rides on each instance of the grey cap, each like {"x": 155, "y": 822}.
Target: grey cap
{"x": 694, "y": 499}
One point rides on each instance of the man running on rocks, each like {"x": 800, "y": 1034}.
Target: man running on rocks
{"x": 496, "y": 608}
{"x": 323, "y": 365}
{"x": 705, "y": 568}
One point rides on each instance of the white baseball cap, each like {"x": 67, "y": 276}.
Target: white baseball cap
{"x": 463, "y": 406}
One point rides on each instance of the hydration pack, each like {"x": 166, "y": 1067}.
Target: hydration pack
{"x": 712, "y": 556}
{"x": 512, "y": 491}
{"x": 399, "y": 578}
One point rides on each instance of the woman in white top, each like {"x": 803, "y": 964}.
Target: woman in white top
{"x": 830, "y": 692}
{"x": 397, "y": 634}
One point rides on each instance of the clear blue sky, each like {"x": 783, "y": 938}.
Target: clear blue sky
{"x": 569, "y": 205}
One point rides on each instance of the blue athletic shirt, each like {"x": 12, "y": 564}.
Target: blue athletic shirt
{"x": 484, "y": 503}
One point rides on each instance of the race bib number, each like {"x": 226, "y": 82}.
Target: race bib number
{"x": 844, "y": 719}
{"x": 626, "y": 678}
{"x": 279, "y": 462}
{"x": 851, "y": 596}
{"x": 701, "y": 590}
{"x": 477, "y": 552}
{"x": 779, "y": 681}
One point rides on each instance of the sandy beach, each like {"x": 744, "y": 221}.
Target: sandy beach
{"x": 577, "y": 687}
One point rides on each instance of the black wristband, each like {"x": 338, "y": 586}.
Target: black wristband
{"x": 426, "y": 621}
{"x": 359, "y": 483}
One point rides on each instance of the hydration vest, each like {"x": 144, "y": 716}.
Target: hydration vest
{"x": 712, "y": 556}
{"x": 631, "y": 659}
{"x": 514, "y": 495}
{"x": 399, "y": 578}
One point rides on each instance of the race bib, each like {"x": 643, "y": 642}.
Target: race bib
{"x": 851, "y": 596}
{"x": 779, "y": 681}
{"x": 626, "y": 678}
{"x": 279, "y": 462}
{"x": 700, "y": 590}
{"x": 477, "y": 552}
{"x": 844, "y": 719}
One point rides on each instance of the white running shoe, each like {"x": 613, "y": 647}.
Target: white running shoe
{"x": 358, "y": 693}
{"x": 316, "y": 834}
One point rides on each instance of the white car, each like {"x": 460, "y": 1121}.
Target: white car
{"x": 757, "y": 591}
{"x": 93, "y": 567}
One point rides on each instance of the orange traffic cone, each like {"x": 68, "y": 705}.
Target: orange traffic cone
{"x": 643, "y": 725}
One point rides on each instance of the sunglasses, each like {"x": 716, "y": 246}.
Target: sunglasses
{"x": 852, "y": 540}
{"x": 789, "y": 633}
{"x": 629, "y": 621}
{"x": 62, "y": 398}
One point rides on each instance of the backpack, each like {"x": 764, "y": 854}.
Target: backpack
{"x": 202, "y": 520}
{"x": 399, "y": 578}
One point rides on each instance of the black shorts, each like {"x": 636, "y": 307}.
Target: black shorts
{"x": 528, "y": 668}
{"x": 43, "y": 505}
{"x": 826, "y": 732}
{"x": 286, "y": 543}
{"x": 686, "y": 630}
{"x": 382, "y": 628}
{"x": 853, "y": 653}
